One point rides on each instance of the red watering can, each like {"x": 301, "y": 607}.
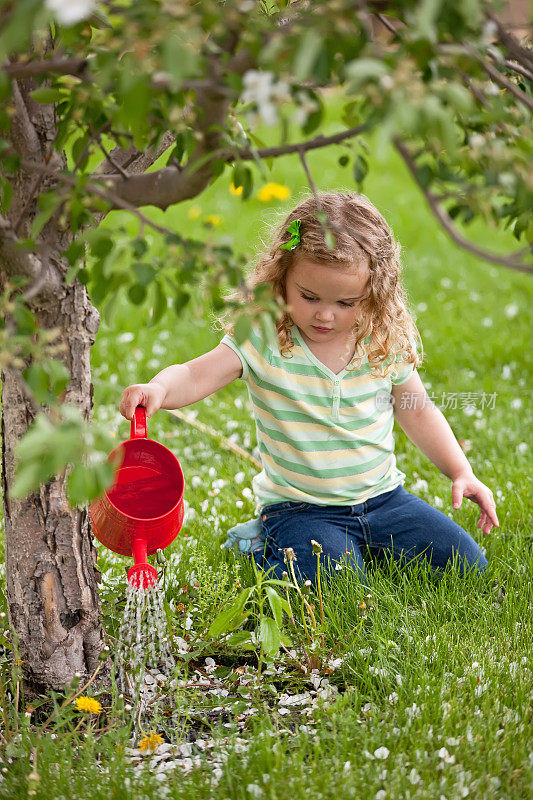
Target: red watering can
{"x": 143, "y": 511}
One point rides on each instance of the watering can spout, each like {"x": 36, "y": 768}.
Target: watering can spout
{"x": 141, "y": 575}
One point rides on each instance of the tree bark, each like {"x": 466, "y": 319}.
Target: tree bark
{"x": 50, "y": 559}
{"x": 51, "y": 575}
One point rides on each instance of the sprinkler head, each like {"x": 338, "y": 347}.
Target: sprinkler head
{"x": 142, "y": 576}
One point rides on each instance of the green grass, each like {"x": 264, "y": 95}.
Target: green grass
{"x": 435, "y": 676}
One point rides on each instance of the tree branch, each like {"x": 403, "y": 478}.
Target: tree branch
{"x": 446, "y": 222}
{"x": 286, "y": 149}
{"x": 110, "y": 158}
{"x": 79, "y": 68}
{"x": 512, "y": 65}
{"x": 106, "y": 194}
{"x": 511, "y": 43}
{"x": 502, "y": 81}
{"x": 58, "y": 65}
{"x": 171, "y": 185}
{"x": 386, "y": 22}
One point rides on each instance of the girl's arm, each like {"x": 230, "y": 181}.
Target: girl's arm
{"x": 428, "y": 429}
{"x": 183, "y": 384}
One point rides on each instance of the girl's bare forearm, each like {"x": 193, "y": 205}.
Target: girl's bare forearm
{"x": 429, "y": 430}
{"x": 179, "y": 385}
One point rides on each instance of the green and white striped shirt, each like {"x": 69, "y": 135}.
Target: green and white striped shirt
{"x": 323, "y": 438}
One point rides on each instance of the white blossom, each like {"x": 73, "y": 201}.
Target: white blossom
{"x": 69, "y": 12}
{"x": 413, "y": 777}
{"x": 443, "y": 753}
{"x": 259, "y": 88}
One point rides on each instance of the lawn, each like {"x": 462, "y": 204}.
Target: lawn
{"x": 418, "y": 689}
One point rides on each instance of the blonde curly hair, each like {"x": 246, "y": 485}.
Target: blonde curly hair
{"x": 385, "y": 331}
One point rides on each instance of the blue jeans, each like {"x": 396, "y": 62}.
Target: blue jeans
{"x": 397, "y": 522}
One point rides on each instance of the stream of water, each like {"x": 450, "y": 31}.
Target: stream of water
{"x": 144, "y": 663}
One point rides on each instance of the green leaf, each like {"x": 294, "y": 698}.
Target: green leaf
{"x": 364, "y": 70}
{"x": 242, "y": 329}
{"x": 180, "y": 300}
{"x": 425, "y": 175}
{"x": 315, "y": 117}
{"x": 42, "y": 217}
{"x": 137, "y": 294}
{"x": 269, "y": 636}
{"x": 100, "y": 242}
{"x": 160, "y": 303}
{"x": 74, "y": 251}
{"x": 307, "y": 53}
{"x": 269, "y": 330}
{"x": 222, "y": 623}
{"x": 77, "y": 149}
{"x": 144, "y": 273}
{"x": 28, "y": 476}
{"x": 86, "y": 483}
{"x": 47, "y": 94}
{"x": 239, "y": 639}
{"x": 360, "y": 168}
{"x": 285, "y": 584}
{"x": 425, "y": 21}
{"x": 275, "y": 604}
{"x": 242, "y": 176}
{"x": 27, "y": 324}
{"x": 47, "y": 379}
{"x": 46, "y": 449}
{"x": 178, "y": 57}
{"x": 99, "y": 19}
{"x": 285, "y": 606}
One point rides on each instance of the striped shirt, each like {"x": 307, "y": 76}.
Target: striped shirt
{"x": 323, "y": 438}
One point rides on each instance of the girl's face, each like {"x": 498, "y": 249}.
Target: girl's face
{"x": 324, "y": 299}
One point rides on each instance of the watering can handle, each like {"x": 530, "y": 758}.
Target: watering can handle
{"x": 138, "y": 424}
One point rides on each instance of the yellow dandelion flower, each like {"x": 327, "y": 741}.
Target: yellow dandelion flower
{"x": 213, "y": 219}
{"x": 194, "y": 212}
{"x": 273, "y": 191}
{"x": 235, "y": 189}
{"x": 88, "y": 704}
{"x": 150, "y": 742}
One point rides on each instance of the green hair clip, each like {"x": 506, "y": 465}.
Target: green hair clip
{"x": 294, "y": 231}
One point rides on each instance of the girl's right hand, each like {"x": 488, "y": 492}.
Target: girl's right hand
{"x": 149, "y": 395}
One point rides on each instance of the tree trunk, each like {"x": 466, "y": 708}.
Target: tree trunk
{"x": 50, "y": 559}
{"x": 51, "y": 575}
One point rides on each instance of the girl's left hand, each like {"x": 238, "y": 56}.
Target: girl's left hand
{"x": 467, "y": 485}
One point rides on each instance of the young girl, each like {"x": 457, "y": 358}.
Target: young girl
{"x": 325, "y": 397}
